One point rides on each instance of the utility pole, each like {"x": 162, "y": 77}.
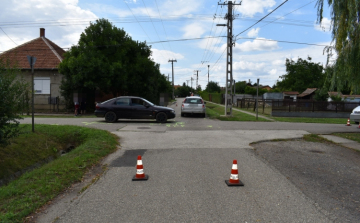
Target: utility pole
{"x": 32, "y": 61}
{"x": 187, "y": 81}
{"x": 191, "y": 81}
{"x": 208, "y": 74}
{"x": 197, "y": 77}
{"x": 234, "y": 93}
{"x": 172, "y": 65}
{"x": 229, "y": 79}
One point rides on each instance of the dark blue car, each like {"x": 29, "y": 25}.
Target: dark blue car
{"x": 130, "y": 107}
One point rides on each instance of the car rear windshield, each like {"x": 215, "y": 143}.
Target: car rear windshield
{"x": 193, "y": 101}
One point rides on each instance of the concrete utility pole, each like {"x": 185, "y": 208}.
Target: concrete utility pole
{"x": 187, "y": 82}
{"x": 208, "y": 73}
{"x": 229, "y": 16}
{"x": 172, "y": 65}
{"x": 197, "y": 78}
{"x": 257, "y": 100}
{"x": 191, "y": 81}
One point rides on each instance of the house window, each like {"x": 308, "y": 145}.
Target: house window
{"x": 42, "y": 85}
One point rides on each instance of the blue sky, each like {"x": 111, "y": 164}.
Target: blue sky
{"x": 168, "y": 20}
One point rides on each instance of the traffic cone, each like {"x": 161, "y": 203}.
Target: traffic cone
{"x": 348, "y": 122}
{"x": 359, "y": 126}
{"x": 140, "y": 175}
{"x": 176, "y": 104}
{"x": 234, "y": 176}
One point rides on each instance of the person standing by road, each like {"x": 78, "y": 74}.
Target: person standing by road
{"x": 83, "y": 107}
{"x": 77, "y": 108}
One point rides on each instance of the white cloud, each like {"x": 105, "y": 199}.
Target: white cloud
{"x": 250, "y": 8}
{"x": 256, "y": 45}
{"x": 253, "y": 32}
{"x": 193, "y": 30}
{"x": 47, "y": 14}
{"x": 163, "y": 56}
{"x": 324, "y": 26}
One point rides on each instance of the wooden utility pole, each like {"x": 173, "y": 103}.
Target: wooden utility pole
{"x": 32, "y": 60}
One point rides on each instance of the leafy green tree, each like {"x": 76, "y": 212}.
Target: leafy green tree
{"x": 13, "y": 90}
{"x": 345, "y": 16}
{"x": 240, "y": 87}
{"x": 213, "y": 87}
{"x": 107, "y": 59}
{"x": 183, "y": 91}
{"x": 301, "y": 75}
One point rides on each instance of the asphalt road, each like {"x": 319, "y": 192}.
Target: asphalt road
{"x": 187, "y": 160}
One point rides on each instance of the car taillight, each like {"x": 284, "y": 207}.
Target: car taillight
{"x": 182, "y": 105}
{"x": 97, "y": 106}
{"x": 203, "y": 106}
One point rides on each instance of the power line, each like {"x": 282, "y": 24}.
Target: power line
{"x": 8, "y": 36}
{"x": 162, "y": 24}
{"x": 262, "y": 18}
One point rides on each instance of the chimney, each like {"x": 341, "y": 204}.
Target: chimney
{"x": 42, "y": 32}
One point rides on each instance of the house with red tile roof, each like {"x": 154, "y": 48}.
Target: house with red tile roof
{"x": 47, "y": 79}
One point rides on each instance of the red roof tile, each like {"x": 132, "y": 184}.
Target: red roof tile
{"x": 48, "y": 54}
{"x": 291, "y": 92}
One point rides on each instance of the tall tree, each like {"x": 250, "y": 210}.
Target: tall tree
{"x": 213, "y": 87}
{"x": 300, "y": 75}
{"x": 13, "y": 92}
{"x": 345, "y": 16}
{"x": 106, "y": 58}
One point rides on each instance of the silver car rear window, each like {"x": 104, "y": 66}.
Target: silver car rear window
{"x": 193, "y": 101}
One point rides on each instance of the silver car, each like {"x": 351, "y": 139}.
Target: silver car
{"x": 193, "y": 105}
{"x": 355, "y": 115}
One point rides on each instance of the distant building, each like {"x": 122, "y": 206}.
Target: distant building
{"x": 308, "y": 94}
{"x": 290, "y": 95}
{"x": 47, "y": 78}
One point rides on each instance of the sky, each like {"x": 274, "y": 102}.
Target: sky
{"x": 185, "y": 31}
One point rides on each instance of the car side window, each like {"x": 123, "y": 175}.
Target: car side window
{"x": 137, "y": 102}
{"x": 123, "y": 101}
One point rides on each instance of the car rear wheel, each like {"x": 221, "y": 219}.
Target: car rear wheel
{"x": 161, "y": 117}
{"x": 110, "y": 117}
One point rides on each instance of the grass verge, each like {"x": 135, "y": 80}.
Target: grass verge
{"x": 33, "y": 189}
{"x": 351, "y": 136}
{"x": 215, "y": 111}
{"x": 303, "y": 119}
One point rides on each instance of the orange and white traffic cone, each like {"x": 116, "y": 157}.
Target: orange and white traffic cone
{"x": 140, "y": 175}
{"x": 234, "y": 176}
{"x": 176, "y": 104}
{"x": 348, "y": 122}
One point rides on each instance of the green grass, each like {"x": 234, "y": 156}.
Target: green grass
{"x": 315, "y": 138}
{"x": 311, "y": 120}
{"x": 351, "y": 136}
{"x": 216, "y": 111}
{"x": 60, "y": 116}
{"x": 300, "y": 119}
{"x": 33, "y": 189}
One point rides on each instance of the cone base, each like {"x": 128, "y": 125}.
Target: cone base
{"x": 347, "y": 125}
{"x": 140, "y": 179}
{"x": 231, "y": 184}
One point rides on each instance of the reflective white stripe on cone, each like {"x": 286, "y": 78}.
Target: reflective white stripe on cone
{"x": 140, "y": 174}
{"x": 234, "y": 176}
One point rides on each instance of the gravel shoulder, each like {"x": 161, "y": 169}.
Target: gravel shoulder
{"x": 326, "y": 173}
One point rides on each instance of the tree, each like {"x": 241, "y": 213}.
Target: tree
{"x": 107, "y": 59}
{"x": 240, "y": 87}
{"x": 346, "y": 36}
{"x": 213, "y": 87}
{"x": 13, "y": 90}
{"x": 183, "y": 91}
{"x": 301, "y": 75}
